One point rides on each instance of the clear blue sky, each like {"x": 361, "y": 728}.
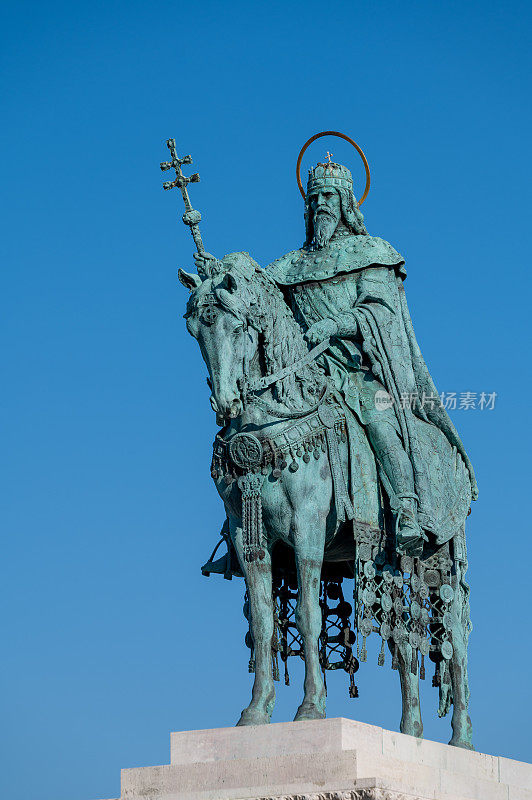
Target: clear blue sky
{"x": 111, "y": 637}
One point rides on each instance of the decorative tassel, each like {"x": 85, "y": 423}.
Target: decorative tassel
{"x": 250, "y": 485}
{"x": 395, "y": 657}
{"x": 422, "y": 668}
{"x": 275, "y": 648}
{"x": 353, "y": 688}
{"x": 275, "y": 667}
{"x": 380, "y": 660}
{"x": 413, "y": 665}
{"x": 251, "y": 664}
{"x": 436, "y": 678}
{"x": 364, "y": 652}
{"x": 286, "y": 675}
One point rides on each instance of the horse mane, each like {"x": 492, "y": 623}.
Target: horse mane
{"x": 282, "y": 340}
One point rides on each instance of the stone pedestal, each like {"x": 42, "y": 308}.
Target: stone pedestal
{"x": 330, "y": 759}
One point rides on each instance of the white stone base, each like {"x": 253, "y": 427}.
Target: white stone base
{"x": 330, "y": 759}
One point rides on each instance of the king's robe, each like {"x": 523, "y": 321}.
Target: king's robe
{"x": 357, "y": 280}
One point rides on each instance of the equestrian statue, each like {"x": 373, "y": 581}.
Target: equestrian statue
{"x": 337, "y": 464}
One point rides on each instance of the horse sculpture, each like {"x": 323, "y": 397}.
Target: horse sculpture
{"x": 293, "y": 468}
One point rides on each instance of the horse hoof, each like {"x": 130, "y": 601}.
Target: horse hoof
{"x": 465, "y": 744}
{"x": 309, "y": 711}
{"x": 253, "y": 717}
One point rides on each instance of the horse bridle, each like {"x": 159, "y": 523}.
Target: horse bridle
{"x": 267, "y": 380}
{"x": 249, "y": 389}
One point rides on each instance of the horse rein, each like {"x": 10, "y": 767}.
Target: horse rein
{"x": 267, "y": 380}
{"x": 248, "y": 389}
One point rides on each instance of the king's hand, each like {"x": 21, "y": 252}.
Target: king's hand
{"x": 202, "y": 259}
{"x": 321, "y": 330}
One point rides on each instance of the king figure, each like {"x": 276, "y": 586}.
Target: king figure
{"x": 346, "y": 286}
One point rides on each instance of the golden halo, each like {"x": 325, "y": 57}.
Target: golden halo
{"x": 340, "y": 136}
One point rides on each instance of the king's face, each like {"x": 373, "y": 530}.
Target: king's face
{"x": 326, "y": 210}
{"x": 327, "y": 201}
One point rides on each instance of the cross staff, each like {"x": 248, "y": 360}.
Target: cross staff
{"x": 191, "y": 217}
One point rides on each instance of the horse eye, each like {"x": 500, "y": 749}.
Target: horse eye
{"x": 208, "y": 315}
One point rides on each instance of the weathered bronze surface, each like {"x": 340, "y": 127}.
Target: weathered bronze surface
{"x": 335, "y": 460}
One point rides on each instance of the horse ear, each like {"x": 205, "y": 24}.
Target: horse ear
{"x": 188, "y": 279}
{"x": 229, "y": 282}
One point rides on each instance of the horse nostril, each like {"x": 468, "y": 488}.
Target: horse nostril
{"x": 214, "y": 404}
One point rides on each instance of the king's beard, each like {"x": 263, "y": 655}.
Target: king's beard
{"x": 324, "y": 227}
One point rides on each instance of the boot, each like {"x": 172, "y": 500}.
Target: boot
{"x": 409, "y": 536}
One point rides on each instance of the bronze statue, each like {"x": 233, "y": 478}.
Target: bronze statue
{"x": 335, "y": 459}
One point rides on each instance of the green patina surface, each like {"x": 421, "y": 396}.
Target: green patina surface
{"x": 345, "y": 254}
{"x": 335, "y": 462}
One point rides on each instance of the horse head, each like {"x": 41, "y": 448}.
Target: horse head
{"x": 221, "y": 316}
{"x": 246, "y": 331}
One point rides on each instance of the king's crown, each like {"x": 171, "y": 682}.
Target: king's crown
{"x": 329, "y": 174}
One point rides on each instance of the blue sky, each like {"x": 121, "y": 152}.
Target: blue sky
{"x": 111, "y": 636}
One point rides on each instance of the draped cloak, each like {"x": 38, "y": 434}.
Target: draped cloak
{"x": 372, "y": 304}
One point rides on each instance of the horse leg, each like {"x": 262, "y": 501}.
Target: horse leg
{"x": 309, "y": 559}
{"x": 258, "y": 576}
{"x": 460, "y": 722}
{"x": 411, "y": 715}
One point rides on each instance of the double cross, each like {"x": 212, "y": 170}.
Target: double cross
{"x": 191, "y": 217}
